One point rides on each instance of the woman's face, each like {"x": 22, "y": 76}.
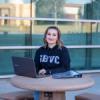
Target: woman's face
{"x": 52, "y": 36}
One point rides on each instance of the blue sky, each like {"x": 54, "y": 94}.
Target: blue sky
{"x": 69, "y": 1}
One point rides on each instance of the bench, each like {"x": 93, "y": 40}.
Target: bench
{"x": 87, "y": 96}
{"x": 18, "y": 95}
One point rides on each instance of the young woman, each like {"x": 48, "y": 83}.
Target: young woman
{"x": 53, "y": 57}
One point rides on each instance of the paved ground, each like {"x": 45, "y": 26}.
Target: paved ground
{"x": 5, "y": 86}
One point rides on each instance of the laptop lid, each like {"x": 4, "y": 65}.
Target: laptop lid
{"x": 24, "y": 66}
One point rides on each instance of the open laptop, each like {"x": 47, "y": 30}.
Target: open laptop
{"x": 24, "y": 66}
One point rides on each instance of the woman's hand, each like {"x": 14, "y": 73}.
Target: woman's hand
{"x": 42, "y": 72}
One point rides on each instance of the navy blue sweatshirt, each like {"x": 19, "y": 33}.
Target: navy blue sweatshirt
{"x": 53, "y": 60}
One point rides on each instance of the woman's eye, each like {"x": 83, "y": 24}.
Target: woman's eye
{"x": 54, "y": 34}
{"x": 48, "y": 34}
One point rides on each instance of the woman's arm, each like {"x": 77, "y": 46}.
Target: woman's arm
{"x": 65, "y": 59}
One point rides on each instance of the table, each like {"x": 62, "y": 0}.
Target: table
{"x": 53, "y": 89}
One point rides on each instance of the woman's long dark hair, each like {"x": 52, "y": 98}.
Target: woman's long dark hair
{"x": 59, "y": 42}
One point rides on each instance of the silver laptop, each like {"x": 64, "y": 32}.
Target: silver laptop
{"x": 24, "y": 66}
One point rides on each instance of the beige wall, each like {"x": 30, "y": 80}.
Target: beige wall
{"x": 16, "y": 10}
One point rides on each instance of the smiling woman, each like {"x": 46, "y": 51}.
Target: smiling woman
{"x": 53, "y": 56}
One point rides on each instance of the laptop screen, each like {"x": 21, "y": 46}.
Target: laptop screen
{"x": 24, "y": 66}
